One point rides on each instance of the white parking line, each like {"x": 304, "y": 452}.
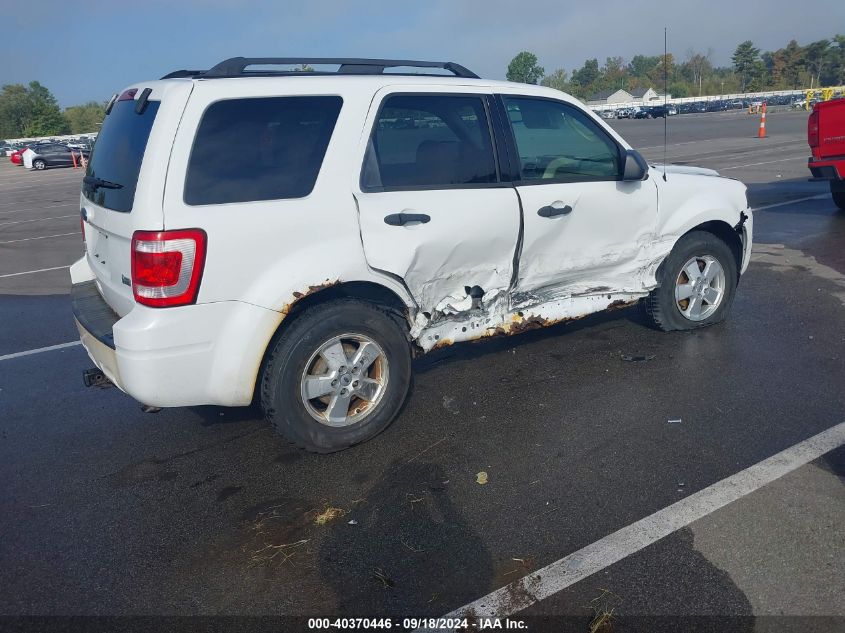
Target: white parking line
{"x": 768, "y": 162}
{"x": 43, "y": 237}
{"x": 29, "y": 352}
{"x": 32, "y": 272}
{"x": 57, "y": 217}
{"x": 48, "y": 206}
{"x": 631, "y": 539}
{"x": 42, "y": 185}
{"x": 796, "y": 201}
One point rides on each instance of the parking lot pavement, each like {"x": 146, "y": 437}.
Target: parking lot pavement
{"x": 106, "y": 510}
{"x": 39, "y": 229}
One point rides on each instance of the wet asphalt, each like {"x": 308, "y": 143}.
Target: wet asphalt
{"x": 110, "y": 511}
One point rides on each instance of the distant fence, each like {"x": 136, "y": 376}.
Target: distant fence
{"x": 57, "y": 137}
{"x": 807, "y": 95}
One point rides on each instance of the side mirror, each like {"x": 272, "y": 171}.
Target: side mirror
{"x": 635, "y": 167}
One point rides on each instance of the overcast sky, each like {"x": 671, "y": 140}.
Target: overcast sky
{"x": 88, "y": 49}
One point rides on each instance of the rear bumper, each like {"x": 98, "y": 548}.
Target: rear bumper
{"x": 191, "y": 355}
{"x": 827, "y": 169}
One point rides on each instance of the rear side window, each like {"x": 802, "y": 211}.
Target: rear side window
{"x": 429, "y": 141}
{"x": 260, "y": 149}
{"x": 118, "y": 153}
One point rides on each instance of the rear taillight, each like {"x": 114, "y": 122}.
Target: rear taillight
{"x": 167, "y": 266}
{"x": 813, "y": 129}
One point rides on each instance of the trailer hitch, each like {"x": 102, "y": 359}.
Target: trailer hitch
{"x": 96, "y": 378}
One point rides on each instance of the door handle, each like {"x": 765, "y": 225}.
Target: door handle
{"x": 401, "y": 219}
{"x": 550, "y": 211}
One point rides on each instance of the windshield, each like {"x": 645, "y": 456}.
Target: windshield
{"x": 117, "y": 155}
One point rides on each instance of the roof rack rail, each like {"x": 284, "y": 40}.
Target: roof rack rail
{"x": 236, "y": 66}
{"x": 176, "y": 74}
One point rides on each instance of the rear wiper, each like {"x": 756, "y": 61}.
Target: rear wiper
{"x": 99, "y": 183}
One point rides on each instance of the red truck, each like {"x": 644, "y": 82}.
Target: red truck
{"x": 826, "y": 136}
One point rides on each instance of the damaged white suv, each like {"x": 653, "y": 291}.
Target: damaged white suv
{"x": 295, "y": 237}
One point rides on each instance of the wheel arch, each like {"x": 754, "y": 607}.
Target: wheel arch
{"x": 724, "y": 232}
{"x": 368, "y": 291}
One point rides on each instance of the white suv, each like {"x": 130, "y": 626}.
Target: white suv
{"x": 295, "y": 237}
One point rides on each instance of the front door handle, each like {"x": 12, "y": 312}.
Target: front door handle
{"x": 401, "y": 219}
{"x": 550, "y": 211}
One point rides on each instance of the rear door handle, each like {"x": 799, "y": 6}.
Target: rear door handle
{"x": 401, "y": 219}
{"x": 550, "y": 211}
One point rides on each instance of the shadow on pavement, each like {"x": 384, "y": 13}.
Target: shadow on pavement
{"x": 409, "y": 550}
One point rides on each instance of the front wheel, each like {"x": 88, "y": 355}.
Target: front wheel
{"x": 337, "y": 376}
{"x": 39, "y": 164}
{"x": 697, "y": 284}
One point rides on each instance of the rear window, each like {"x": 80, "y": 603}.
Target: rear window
{"x": 118, "y": 154}
{"x": 260, "y": 149}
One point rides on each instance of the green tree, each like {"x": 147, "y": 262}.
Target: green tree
{"x": 524, "y": 68}
{"x": 30, "y": 111}
{"x": 15, "y": 110}
{"x": 584, "y": 79}
{"x": 613, "y": 73}
{"x": 85, "y": 118}
{"x": 679, "y": 89}
{"x": 641, "y": 65}
{"x": 694, "y": 69}
{"x": 815, "y": 54}
{"x": 557, "y": 80}
{"x": 839, "y": 52}
{"x": 746, "y": 61}
{"x": 793, "y": 60}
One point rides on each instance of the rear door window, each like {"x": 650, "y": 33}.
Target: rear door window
{"x": 117, "y": 156}
{"x": 429, "y": 141}
{"x": 260, "y": 149}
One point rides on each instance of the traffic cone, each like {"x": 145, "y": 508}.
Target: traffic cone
{"x": 761, "y": 133}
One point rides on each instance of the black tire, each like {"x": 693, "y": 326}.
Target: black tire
{"x": 39, "y": 164}
{"x": 660, "y": 306}
{"x": 281, "y": 395}
{"x": 837, "y": 190}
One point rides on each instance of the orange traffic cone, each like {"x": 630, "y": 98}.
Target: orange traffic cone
{"x": 762, "y": 131}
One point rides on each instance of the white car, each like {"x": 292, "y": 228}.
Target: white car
{"x": 378, "y": 216}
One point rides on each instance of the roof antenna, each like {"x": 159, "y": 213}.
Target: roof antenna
{"x": 665, "y": 100}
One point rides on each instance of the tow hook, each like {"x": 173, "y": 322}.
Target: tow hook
{"x": 146, "y": 408}
{"x": 96, "y": 378}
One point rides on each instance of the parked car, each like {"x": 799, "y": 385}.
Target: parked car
{"x": 17, "y": 157}
{"x": 308, "y": 276}
{"x": 671, "y": 110}
{"x": 624, "y": 113}
{"x": 658, "y": 111}
{"x": 641, "y": 113}
{"x": 6, "y": 150}
{"x": 53, "y": 155}
{"x": 826, "y": 137}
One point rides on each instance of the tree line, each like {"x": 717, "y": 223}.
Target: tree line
{"x": 817, "y": 64}
{"x": 32, "y": 111}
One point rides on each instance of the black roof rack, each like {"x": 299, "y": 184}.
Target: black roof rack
{"x": 236, "y": 67}
{"x": 183, "y": 73}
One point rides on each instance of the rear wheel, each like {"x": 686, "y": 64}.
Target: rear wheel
{"x": 337, "y": 376}
{"x": 697, "y": 284}
{"x": 39, "y": 164}
{"x": 837, "y": 190}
